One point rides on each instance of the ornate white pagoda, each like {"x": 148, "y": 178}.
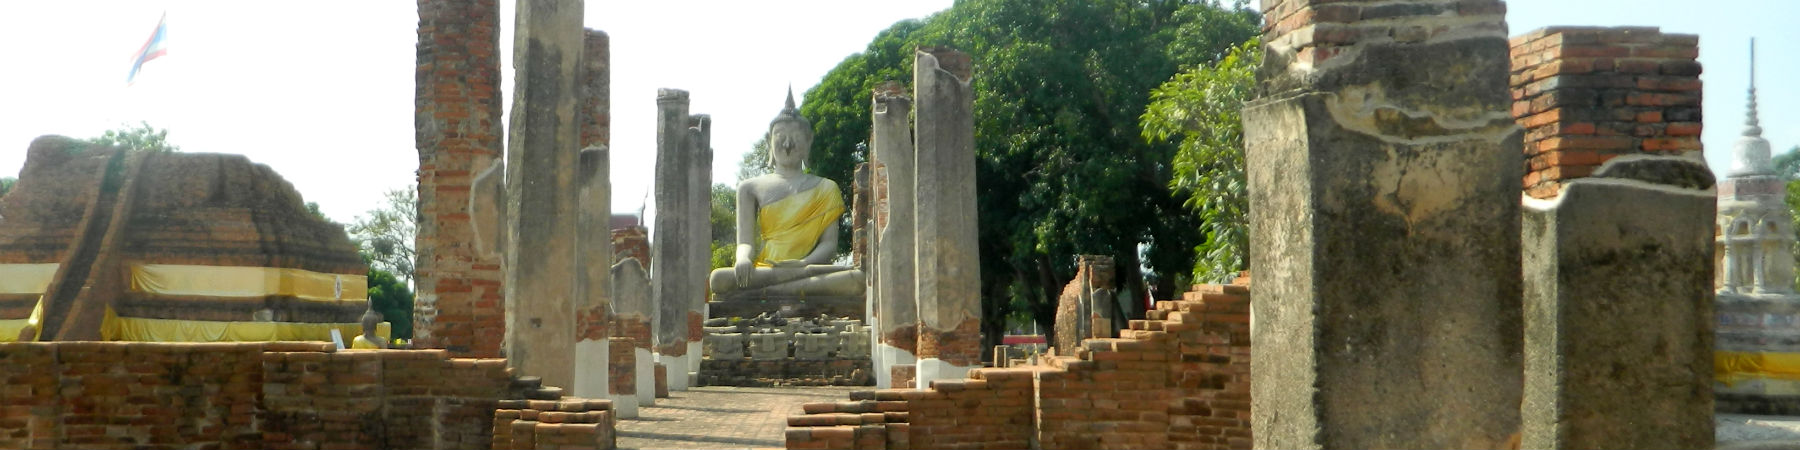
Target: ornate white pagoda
{"x": 1758, "y": 338}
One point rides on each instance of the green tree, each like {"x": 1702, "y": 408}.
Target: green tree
{"x": 724, "y": 225}
{"x": 6, "y": 185}
{"x": 141, "y": 137}
{"x": 1199, "y": 108}
{"x": 756, "y": 161}
{"x": 389, "y": 296}
{"x": 1788, "y": 163}
{"x": 1062, "y": 168}
{"x": 387, "y": 233}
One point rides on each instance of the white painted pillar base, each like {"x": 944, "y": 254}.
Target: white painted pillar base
{"x": 625, "y": 405}
{"x": 646, "y": 377}
{"x": 931, "y": 369}
{"x": 591, "y": 368}
{"x": 886, "y": 357}
{"x": 694, "y": 357}
{"x": 677, "y": 368}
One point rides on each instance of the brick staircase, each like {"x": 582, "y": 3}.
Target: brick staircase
{"x": 1178, "y": 379}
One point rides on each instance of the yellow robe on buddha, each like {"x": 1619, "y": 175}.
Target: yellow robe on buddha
{"x": 789, "y": 228}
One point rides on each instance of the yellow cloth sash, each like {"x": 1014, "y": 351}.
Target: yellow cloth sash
{"x": 137, "y": 329}
{"x": 789, "y": 228}
{"x": 26, "y": 278}
{"x": 1731, "y": 367}
{"x": 242, "y": 281}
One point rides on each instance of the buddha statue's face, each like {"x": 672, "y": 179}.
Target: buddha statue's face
{"x": 789, "y": 142}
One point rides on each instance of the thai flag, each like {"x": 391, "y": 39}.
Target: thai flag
{"x": 156, "y": 46}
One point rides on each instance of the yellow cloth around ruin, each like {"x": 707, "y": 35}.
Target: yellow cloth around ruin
{"x": 26, "y": 278}
{"x": 242, "y": 281}
{"x": 9, "y": 329}
{"x": 1731, "y": 367}
{"x": 137, "y": 329}
{"x": 789, "y": 228}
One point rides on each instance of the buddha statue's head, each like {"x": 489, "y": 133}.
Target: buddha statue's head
{"x": 370, "y": 320}
{"x": 790, "y": 136}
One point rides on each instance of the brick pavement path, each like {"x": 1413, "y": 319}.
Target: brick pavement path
{"x": 722, "y": 417}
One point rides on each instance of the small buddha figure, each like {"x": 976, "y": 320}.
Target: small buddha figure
{"x": 787, "y": 223}
{"x": 368, "y": 339}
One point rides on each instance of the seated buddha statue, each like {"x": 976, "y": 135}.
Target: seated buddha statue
{"x": 787, "y": 223}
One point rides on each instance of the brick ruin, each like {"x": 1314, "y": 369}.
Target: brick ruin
{"x": 460, "y": 305}
{"x": 1179, "y": 379}
{"x": 97, "y": 217}
{"x": 1587, "y": 94}
{"x": 287, "y": 395}
{"x": 1597, "y": 115}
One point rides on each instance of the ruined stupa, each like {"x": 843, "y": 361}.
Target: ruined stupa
{"x": 105, "y": 243}
{"x": 1758, "y": 338}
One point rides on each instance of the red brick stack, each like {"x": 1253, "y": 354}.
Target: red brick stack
{"x": 567, "y": 424}
{"x": 1587, "y": 94}
{"x": 1335, "y": 27}
{"x": 457, "y": 117}
{"x": 1178, "y": 380}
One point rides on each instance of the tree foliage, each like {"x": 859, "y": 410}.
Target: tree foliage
{"x": 6, "y": 185}
{"x": 391, "y": 297}
{"x": 1199, "y": 108}
{"x": 1062, "y": 168}
{"x": 387, "y": 233}
{"x": 724, "y": 224}
{"x": 141, "y": 137}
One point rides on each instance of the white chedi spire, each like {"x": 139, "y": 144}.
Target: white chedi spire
{"x": 1751, "y": 154}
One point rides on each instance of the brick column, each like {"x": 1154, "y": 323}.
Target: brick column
{"x": 1586, "y": 95}
{"x": 1617, "y": 238}
{"x": 457, "y": 123}
{"x": 1385, "y": 240}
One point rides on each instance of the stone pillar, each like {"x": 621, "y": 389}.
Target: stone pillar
{"x": 897, "y": 327}
{"x": 634, "y": 310}
{"x": 456, "y": 121}
{"x": 541, "y": 191}
{"x": 594, "y": 313}
{"x": 948, "y": 263}
{"x": 1385, "y": 238}
{"x": 1617, "y": 266}
{"x": 699, "y": 219}
{"x": 1618, "y": 309}
{"x": 673, "y": 280}
{"x": 594, "y": 354}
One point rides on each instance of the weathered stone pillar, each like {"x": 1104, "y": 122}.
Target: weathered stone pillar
{"x": 1617, "y": 265}
{"x": 1385, "y": 242}
{"x": 594, "y": 233}
{"x": 593, "y": 349}
{"x": 898, "y": 324}
{"x": 633, "y": 313}
{"x": 948, "y": 263}
{"x": 457, "y": 126}
{"x": 1618, "y": 332}
{"x": 699, "y": 220}
{"x": 541, "y": 191}
{"x": 673, "y": 279}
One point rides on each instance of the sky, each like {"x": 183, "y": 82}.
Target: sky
{"x": 322, "y": 91}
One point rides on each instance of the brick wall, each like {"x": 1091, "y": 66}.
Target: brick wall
{"x": 256, "y": 395}
{"x": 1180, "y": 379}
{"x": 457, "y": 118}
{"x": 1587, "y": 94}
